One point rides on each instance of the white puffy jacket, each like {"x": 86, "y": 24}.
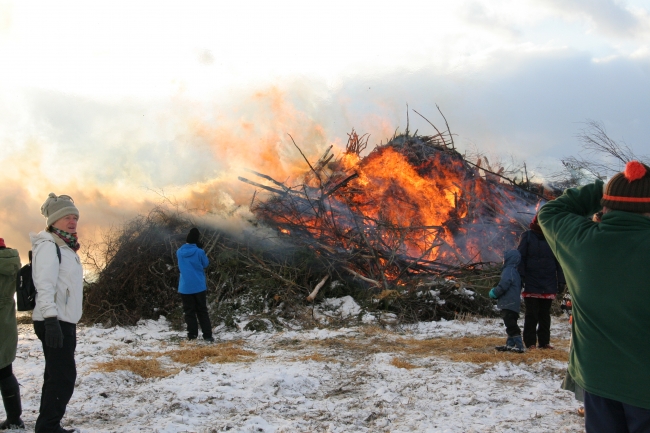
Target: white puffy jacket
{"x": 59, "y": 286}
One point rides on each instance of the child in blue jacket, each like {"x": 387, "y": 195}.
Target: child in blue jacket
{"x": 508, "y": 292}
{"x": 192, "y": 261}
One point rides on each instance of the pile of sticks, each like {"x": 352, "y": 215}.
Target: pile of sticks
{"x": 326, "y": 210}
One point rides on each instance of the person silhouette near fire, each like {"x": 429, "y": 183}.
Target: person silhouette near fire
{"x": 542, "y": 278}
{"x": 508, "y": 294}
{"x": 606, "y": 268}
{"x": 192, "y": 262}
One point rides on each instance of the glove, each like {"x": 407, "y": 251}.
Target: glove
{"x": 53, "y": 333}
{"x": 492, "y": 295}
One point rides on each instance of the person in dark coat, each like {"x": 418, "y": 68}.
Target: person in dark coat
{"x": 508, "y": 293}
{"x": 192, "y": 262}
{"x": 542, "y": 277}
{"x": 9, "y": 266}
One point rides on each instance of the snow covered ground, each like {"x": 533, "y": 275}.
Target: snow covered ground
{"x": 315, "y": 380}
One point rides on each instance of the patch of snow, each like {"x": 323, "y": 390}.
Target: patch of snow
{"x": 278, "y": 392}
{"x": 344, "y": 307}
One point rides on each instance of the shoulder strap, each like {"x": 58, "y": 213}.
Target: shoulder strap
{"x": 58, "y": 251}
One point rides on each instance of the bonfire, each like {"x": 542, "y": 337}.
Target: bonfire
{"x": 412, "y": 207}
{"x": 412, "y": 228}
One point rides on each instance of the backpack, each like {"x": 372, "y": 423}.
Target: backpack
{"x": 25, "y": 288}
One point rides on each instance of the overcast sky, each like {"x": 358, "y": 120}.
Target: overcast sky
{"x": 118, "y": 102}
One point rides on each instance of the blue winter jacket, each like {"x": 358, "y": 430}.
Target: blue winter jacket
{"x": 508, "y": 291}
{"x": 191, "y": 262}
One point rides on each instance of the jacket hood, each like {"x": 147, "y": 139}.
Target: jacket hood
{"x": 41, "y": 236}
{"x": 7, "y": 253}
{"x": 511, "y": 258}
{"x": 188, "y": 250}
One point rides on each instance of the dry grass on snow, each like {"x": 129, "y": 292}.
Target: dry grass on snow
{"x": 401, "y": 363}
{"x": 145, "y": 368}
{"x": 316, "y": 357}
{"x": 24, "y": 318}
{"x": 189, "y": 354}
{"x": 478, "y": 350}
{"x": 407, "y": 351}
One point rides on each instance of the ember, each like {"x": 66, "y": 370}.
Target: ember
{"x": 411, "y": 207}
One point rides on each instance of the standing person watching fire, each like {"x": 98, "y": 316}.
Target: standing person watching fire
{"x": 58, "y": 278}
{"x": 606, "y": 268}
{"x": 508, "y": 293}
{"x": 9, "y": 267}
{"x": 542, "y": 277}
{"x": 192, "y": 262}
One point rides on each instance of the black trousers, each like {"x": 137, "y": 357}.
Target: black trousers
{"x": 6, "y": 372}
{"x": 537, "y": 322}
{"x": 196, "y": 306}
{"x": 510, "y": 320}
{"x": 603, "y": 415}
{"x": 58, "y": 379}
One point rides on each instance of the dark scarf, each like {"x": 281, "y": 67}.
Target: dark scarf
{"x": 70, "y": 239}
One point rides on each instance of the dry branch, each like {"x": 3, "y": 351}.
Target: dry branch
{"x": 314, "y": 292}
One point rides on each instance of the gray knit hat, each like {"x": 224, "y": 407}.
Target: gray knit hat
{"x": 56, "y": 208}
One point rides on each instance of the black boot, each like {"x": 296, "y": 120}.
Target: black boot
{"x": 11, "y": 399}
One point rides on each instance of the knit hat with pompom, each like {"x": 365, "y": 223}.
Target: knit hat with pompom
{"x": 56, "y": 207}
{"x": 629, "y": 190}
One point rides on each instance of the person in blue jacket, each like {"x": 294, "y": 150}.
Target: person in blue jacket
{"x": 192, "y": 262}
{"x": 508, "y": 293}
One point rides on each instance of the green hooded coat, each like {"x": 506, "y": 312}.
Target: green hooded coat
{"x": 9, "y": 267}
{"x": 607, "y": 270}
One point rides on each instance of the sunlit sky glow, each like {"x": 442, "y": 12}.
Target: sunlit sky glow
{"x": 114, "y": 100}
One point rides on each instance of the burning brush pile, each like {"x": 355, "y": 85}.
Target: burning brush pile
{"x": 411, "y": 209}
{"x": 412, "y": 228}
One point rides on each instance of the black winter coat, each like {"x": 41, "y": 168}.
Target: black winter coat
{"x": 539, "y": 269}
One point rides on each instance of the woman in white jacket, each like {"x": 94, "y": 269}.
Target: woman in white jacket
{"x": 58, "y": 277}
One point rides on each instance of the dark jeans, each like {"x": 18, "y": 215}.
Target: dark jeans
{"x": 603, "y": 415}
{"x": 195, "y": 305}
{"x": 58, "y": 380}
{"x": 510, "y": 320}
{"x": 537, "y": 322}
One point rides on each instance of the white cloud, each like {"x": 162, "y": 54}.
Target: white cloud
{"x": 609, "y": 17}
{"x": 642, "y": 52}
{"x": 482, "y": 15}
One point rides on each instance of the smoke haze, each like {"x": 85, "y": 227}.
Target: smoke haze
{"x": 126, "y": 107}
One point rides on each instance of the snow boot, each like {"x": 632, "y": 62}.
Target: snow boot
{"x": 11, "y": 398}
{"x": 509, "y": 345}
{"x": 518, "y": 344}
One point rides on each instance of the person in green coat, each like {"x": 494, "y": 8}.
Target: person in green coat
{"x": 607, "y": 269}
{"x": 9, "y": 266}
